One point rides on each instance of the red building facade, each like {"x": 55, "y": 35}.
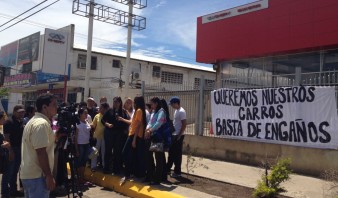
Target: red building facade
{"x": 284, "y": 27}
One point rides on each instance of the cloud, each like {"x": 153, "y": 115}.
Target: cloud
{"x": 185, "y": 36}
{"x": 160, "y": 3}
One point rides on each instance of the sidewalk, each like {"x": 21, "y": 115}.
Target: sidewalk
{"x": 141, "y": 190}
{"x": 298, "y": 186}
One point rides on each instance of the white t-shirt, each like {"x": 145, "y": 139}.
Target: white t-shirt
{"x": 179, "y": 115}
{"x": 84, "y": 133}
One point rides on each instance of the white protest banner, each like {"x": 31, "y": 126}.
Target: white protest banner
{"x": 300, "y": 116}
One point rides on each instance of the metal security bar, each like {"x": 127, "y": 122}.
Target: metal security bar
{"x": 108, "y": 14}
{"x": 196, "y": 107}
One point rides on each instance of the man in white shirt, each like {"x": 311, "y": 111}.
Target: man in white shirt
{"x": 175, "y": 151}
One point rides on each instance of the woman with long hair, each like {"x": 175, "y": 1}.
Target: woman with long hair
{"x": 114, "y": 135}
{"x": 158, "y": 118}
{"x": 129, "y": 107}
{"x": 134, "y": 147}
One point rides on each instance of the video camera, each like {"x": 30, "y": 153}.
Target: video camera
{"x": 67, "y": 117}
{"x": 66, "y": 121}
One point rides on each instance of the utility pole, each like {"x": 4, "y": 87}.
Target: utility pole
{"x": 127, "y": 68}
{"x": 113, "y": 16}
{"x": 89, "y": 48}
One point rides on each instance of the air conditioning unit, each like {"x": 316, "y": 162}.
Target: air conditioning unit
{"x": 136, "y": 76}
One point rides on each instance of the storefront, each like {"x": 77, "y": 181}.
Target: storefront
{"x": 31, "y": 85}
{"x": 272, "y": 41}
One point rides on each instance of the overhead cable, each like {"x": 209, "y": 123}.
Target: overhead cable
{"x": 30, "y": 15}
{"x": 23, "y": 13}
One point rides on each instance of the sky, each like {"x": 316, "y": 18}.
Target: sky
{"x": 170, "y": 25}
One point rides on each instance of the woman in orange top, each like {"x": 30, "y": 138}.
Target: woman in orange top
{"x": 133, "y": 150}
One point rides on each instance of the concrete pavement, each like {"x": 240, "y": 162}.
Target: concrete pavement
{"x": 298, "y": 186}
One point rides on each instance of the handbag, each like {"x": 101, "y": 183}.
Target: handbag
{"x": 156, "y": 147}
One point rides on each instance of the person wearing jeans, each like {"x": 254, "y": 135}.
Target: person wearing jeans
{"x": 99, "y": 134}
{"x": 13, "y": 130}
{"x": 38, "y": 143}
{"x": 175, "y": 151}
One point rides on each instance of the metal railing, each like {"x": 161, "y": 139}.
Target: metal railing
{"x": 192, "y": 98}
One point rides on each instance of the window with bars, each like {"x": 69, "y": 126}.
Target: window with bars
{"x": 171, "y": 77}
{"x": 81, "y": 62}
{"x": 26, "y": 68}
{"x": 8, "y": 71}
{"x": 116, "y": 63}
{"x": 156, "y": 71}
{"x": 209, "y": 84}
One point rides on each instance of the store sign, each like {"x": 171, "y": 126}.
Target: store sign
{"x": 251, "y": 7}
{"x": 42, "y": 77}
{"x": 19, "y": 80}
{"x": 28, "y": 50}
{"x": 55, "y": 52}
{"x": 304, "y": 116}
{"x": 56, "y": 38}
{"x": 8, "y": 54}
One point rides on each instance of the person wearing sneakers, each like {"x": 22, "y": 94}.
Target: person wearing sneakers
{"x": 175, "y": 151}
{"x": 99, "y": 134}
{"x": 82, "y": 144}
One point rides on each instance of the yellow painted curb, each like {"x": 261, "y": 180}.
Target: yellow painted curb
{"x": 130, "y": 188}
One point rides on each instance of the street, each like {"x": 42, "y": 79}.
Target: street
{"x": 96, "y": 192}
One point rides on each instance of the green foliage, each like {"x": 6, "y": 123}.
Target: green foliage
{"x": 4, "y": 92}
{"x": 264, "y": 191}
{"x": 269, "y": 186}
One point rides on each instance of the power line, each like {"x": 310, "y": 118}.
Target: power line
{"x": 23, "y": 13}
{"x": 30, "y": 15}
{"x": 100, "y": 40}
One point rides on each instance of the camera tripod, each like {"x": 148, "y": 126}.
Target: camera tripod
{"x": 67, "y": 157}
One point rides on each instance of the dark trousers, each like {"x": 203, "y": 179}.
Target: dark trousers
{"x": 108, "y": 154}
{"x": 128, "y": 154}
{"x": 9, "y": 178}
{"x": 61, "y": 172}
{"x": 134, "y": 157}
{"x": 140, "y": 167}
{"x": 175, "y": 154}
{"x": 120, "y": 139}
{"x": 155, "y": 172}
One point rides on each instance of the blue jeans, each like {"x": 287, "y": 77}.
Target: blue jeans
{"x": 8, "y": 183}
{"x": 83, "y": 155}
{"x": 35, "y": 188}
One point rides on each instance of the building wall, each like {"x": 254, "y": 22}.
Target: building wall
{"x": 103, "y": 80}
{"x": 307, "y": 161}
{"x": 285, "y": 26}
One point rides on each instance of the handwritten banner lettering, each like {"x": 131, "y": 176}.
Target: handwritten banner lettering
{"x": 301, "y": 116}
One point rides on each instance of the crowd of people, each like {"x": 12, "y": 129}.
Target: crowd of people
{"x": 122, "y": 134}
